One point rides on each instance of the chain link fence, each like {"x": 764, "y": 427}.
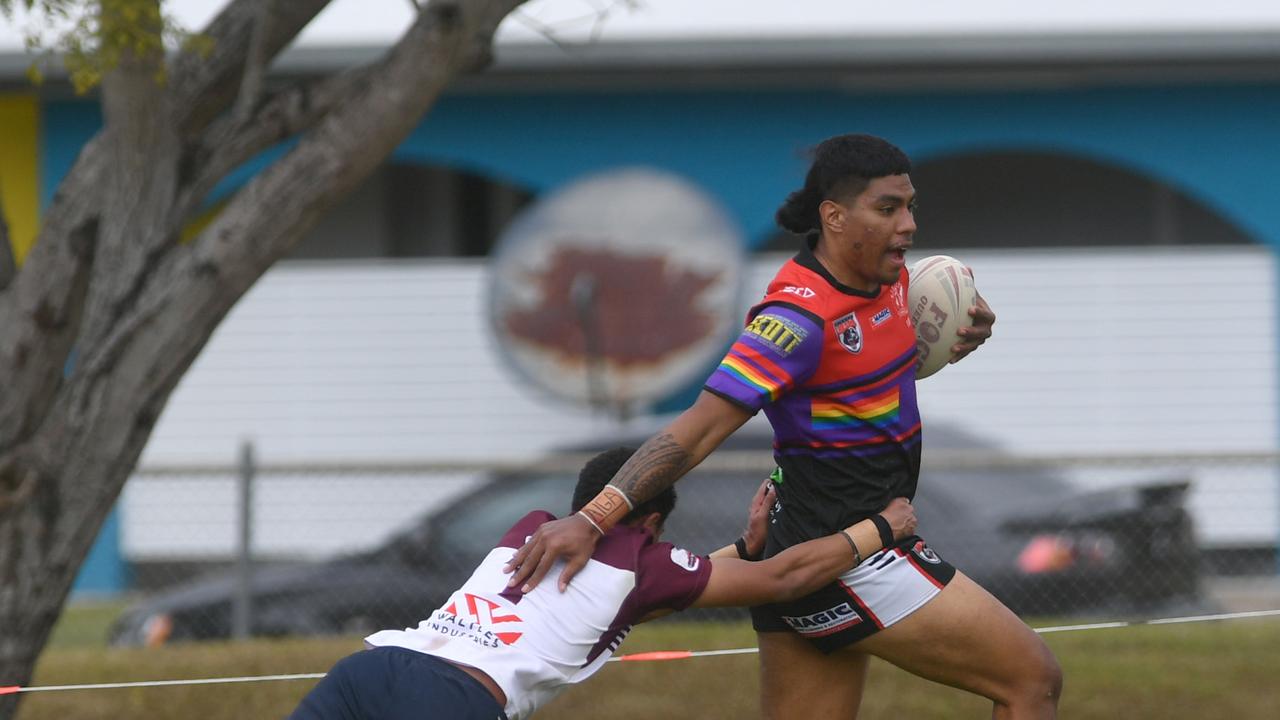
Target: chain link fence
{"x": 262, "y": 549}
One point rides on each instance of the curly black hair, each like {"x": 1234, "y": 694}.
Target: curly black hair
{"x": 842, "y": 167}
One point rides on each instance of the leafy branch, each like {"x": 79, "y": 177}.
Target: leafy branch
{"x": 93, "y": 36}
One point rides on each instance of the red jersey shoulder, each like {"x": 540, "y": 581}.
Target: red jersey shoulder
{"x": 799, "y": 287}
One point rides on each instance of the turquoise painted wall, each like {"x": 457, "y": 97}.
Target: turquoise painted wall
{"x": 1218, "y": 144}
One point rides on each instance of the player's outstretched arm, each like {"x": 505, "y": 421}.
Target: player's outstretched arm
{"x": 802, "y": 569}
{"x": 656, "y": 466}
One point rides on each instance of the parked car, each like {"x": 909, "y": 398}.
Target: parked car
{"x": 1039, "y": 545}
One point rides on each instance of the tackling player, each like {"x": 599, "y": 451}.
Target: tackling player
{"x": 492, "y": 650}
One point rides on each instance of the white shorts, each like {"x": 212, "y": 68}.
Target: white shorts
{"x": 885, "y": 588}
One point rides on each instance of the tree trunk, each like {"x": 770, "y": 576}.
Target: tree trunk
{"x": 8, "y": 262}
{"x": 108, "y": 277}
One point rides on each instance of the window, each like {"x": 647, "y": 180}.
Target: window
{"x": 406, "y": 210}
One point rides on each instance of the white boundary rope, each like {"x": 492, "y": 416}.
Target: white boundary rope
{"x": 1160, "y": 621}
{"x": 161, "y": 683}
{"x": 637, "y": 657}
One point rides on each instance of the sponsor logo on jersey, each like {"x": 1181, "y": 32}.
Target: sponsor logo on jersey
{"x": 926, "y": 553}
{"x": 484, "y": 618}
{"x": 685, "y": 559}
{"x": 799, "y": 291}
{"x": 777, "y": 333}
{"x": 849, "y": 333}
{"x": 824, "y": 622}
{"x": 880, "y": 317}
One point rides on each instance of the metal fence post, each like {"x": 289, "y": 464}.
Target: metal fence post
{"x": 241, "y": 607}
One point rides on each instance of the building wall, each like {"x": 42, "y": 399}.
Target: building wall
{"x": 1098, "y": 352}
{"x": 1216, "y": 144}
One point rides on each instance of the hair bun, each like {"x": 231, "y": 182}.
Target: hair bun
{"x": 799, "y": 214}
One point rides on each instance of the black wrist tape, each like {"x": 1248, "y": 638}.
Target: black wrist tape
{"x": 886, "y": 532}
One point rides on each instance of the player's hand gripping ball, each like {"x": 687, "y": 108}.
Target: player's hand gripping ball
{"x": 940, "y": 293}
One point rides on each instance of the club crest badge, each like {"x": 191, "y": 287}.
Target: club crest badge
{"x": 926, "y": 553}
{"x": 849, "y": 333}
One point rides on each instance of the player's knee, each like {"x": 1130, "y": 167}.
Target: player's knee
{"x": 1050, "y": 678}
{"x": 1041, "y": 683}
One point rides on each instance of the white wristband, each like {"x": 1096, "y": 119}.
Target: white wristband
{"x": 593, "y": 522}
{"x": 625, "y": 499}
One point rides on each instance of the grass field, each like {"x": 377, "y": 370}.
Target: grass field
{"x": 1194, "y": 671}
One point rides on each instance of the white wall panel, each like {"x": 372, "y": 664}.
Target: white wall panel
{"x": 1104, "y": 351}
{"x": 370, "y": 361}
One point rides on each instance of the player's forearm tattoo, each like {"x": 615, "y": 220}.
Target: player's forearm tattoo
{"x": 653, "y": 468}
{"x": 608, "y": 508}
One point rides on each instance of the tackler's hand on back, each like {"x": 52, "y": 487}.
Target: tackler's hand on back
{"x": 572, "y": 538}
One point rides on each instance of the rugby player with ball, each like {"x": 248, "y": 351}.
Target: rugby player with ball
{"x": 830, "y": 355}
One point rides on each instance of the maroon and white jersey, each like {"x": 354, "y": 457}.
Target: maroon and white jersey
{"x": 533, "y": 645}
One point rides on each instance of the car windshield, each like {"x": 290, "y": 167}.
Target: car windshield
{"x": 470, "y": 527}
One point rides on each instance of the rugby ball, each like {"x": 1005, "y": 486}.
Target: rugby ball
{"x": 940, "y": 292}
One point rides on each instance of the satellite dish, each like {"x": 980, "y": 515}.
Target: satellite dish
{"x": 617, "y": 290}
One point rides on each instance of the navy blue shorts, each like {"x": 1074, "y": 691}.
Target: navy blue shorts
{"x": 392, "y": 683}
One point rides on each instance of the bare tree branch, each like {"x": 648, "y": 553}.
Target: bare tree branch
{"x": 203, "y": 86}
{"x": 255, "y": 65}
{"x": 387, "y": 102}
{"x": 42, "y": 310}
{"x": 143, "y": 150}
{"x": 16, "y": 483}
{"x": 361, "y": 117}
{"x": 40, "y": 313}
{"x": 232, "y": 140}
{"x": 594, "y": 18}
{"x": 40, "y": 317}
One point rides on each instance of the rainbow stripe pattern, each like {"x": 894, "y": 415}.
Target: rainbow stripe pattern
{"x": 879, "y": 408}
{"x": 755, "y": 373}
{"x": 860, "y": 415}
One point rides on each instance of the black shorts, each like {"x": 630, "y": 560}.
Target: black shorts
{"x": 885, "y": 588}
